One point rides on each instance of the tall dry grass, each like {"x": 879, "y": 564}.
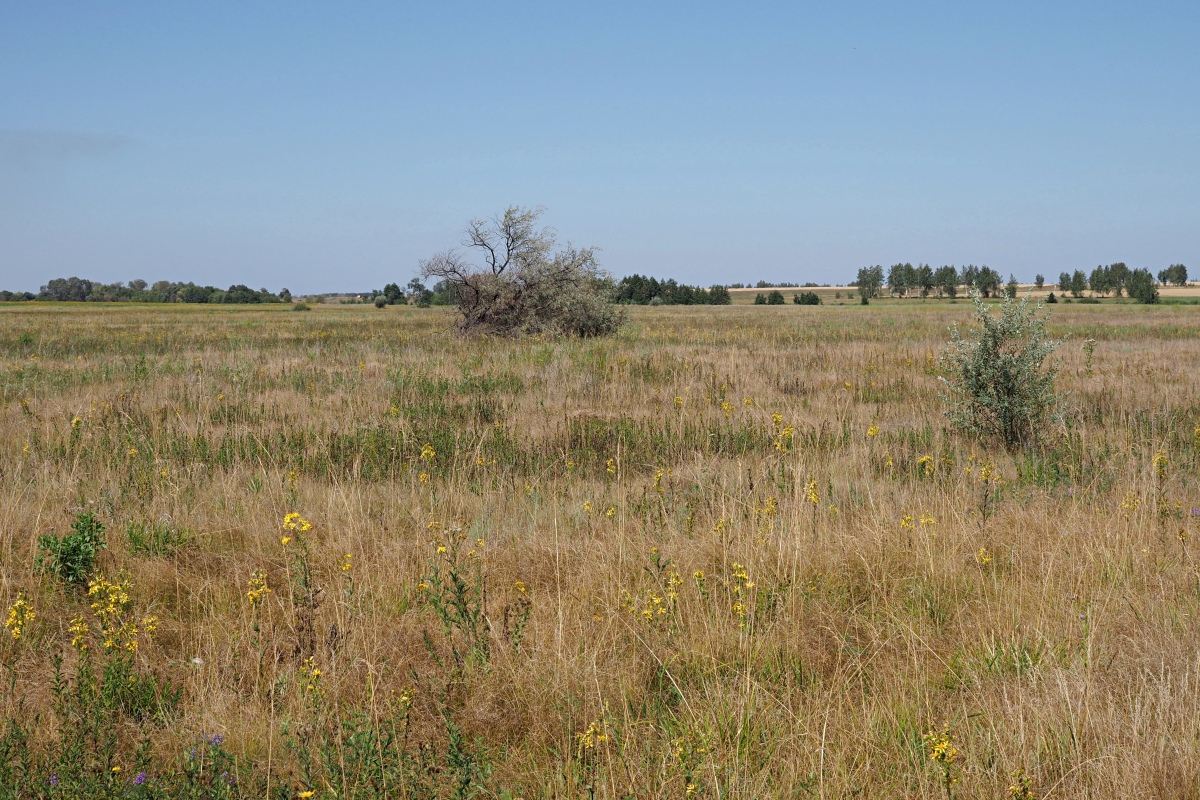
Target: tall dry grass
{"x": 732, "y": 552}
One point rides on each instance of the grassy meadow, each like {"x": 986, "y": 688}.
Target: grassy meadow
{"x": 732, "y": 552}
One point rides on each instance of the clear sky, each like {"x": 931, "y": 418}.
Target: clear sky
{"x": 328, "y": 147}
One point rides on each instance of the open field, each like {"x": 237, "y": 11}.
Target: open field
{"x": 733, "y": 552}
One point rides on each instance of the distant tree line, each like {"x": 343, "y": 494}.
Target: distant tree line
{"x": 639, "y": 290}
{"x": 1117, "y": 279}
{"x": 81, "y": 290}
{"x": 905, "y": 280}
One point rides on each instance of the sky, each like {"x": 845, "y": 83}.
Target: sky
{"x": 330, "y": 147}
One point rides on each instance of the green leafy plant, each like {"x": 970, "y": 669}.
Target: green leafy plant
{"x": 154, "y": 538}
{"x": 996, "y": 379}
{"x": 72, "y": 557}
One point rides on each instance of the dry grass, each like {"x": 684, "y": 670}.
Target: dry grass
{"x": 1048, "y": 627}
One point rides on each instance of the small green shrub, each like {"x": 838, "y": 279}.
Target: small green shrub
{"x": 301, "y": 307}
{"x": 807, "y": 299}
{"x": 72, "y": 557}
{"x": 996, "y": 382}
{"x": 775, "y": 298}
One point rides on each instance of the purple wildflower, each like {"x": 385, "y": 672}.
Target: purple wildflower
{"x": 54, "y": 779}
{"x": 215, "y": 740}
{"x": 140, "y": 778}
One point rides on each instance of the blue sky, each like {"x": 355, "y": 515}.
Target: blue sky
{"x": 326, "y": 148}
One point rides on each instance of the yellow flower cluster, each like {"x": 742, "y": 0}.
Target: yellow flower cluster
{"x": 940, "y": 747}
{"x": 110, "y": 605}
{"x": 20, "y": 614}
{"x": 591, "y": 738}
{"x": 810, "y": 492}
{"x": 297, "y": 523}
{"x": 673, "y": 584}
{"x": 294, "y": 523}
{"x": 783, "y": 433}
{"x": 1130, "y": 504}
{"x": 1160, "y": 464}
{"x": 428, "y": 453}
{"x": 256, "y": 588}
{"x": 873, "y": 431}
{"x": 768, "y": 511}
{"x": 79, "y": 630}
{"x": 741, "y": 585}
{"x": 311, "y": 675}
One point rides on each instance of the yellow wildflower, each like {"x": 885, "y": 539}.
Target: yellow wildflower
{"x": 256, "y": 588}
{"x": 20, "y": 614}
{"x": 1160, "y": 464}
{"x": 940, "y": 747}
{"x": 78, "y": 630}
{"x": 297, "y": 523}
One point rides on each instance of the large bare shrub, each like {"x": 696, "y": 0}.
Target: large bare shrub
{"x": 524, "y": 285}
